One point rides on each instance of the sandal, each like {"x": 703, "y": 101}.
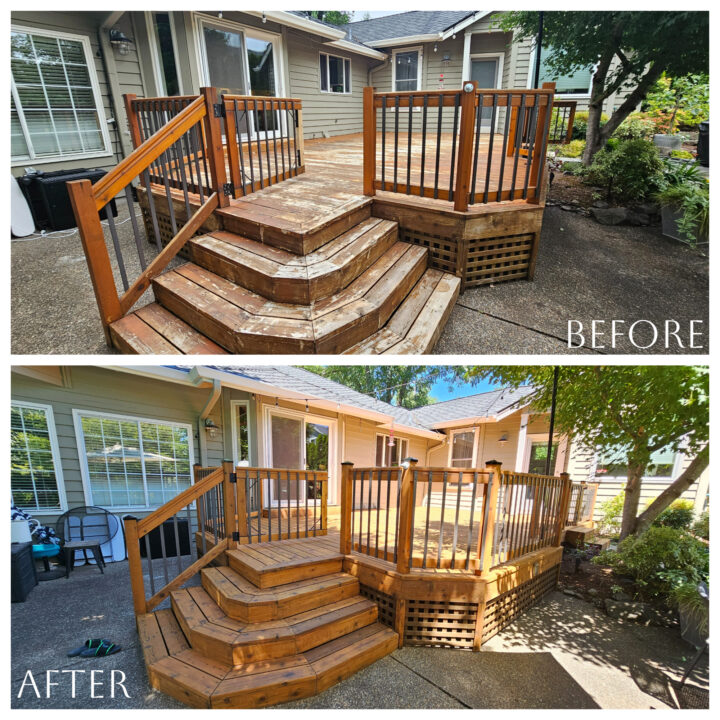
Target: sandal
{"x": 105, "y": 648}
{"x": 87, "y": 645}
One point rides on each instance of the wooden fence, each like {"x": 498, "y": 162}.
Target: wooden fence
{"x": 466, "y": 146}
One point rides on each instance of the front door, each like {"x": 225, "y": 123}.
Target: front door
{"x": 485, "y": 71}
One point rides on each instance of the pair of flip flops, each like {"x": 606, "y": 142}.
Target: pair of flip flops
{"x": 95, "y": 648}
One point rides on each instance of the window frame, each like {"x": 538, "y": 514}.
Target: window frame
{"x": 462, "y": 431}
{"x": 97, "y": 97}
{"x": 677, "y": 464}
{"x": 559, "y": 96}
{"x": 327, "y": 78}
{"x": 55, "y": 450}
{"x": 414, "y": 48}
{"x": 154, "y": 42}
{"x": 397, "y": 439}
{"x": 234, "y": 429}
{"x": 78, "y": 414}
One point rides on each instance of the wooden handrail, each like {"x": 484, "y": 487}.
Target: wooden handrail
{"x": 134, "y": 164}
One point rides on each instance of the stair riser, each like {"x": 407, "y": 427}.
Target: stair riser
{"x": 278, "y": 610}
{"x": 284, "y": 689}
{"x": 348, "y": 335}
{"x": 298, "y": 243}
{"x": 285, "y": 575}
{"x": 170, "y": 686}
{"x": 300, "y": 291}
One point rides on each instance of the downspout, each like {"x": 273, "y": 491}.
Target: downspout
{"x": 205, "y": 412}
{"x": 113, "y": 88}
{"x": 385, "y": 63}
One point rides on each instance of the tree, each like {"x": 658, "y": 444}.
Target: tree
{"x": 628, "y": 51}
{"x": 405, "y": 385}
{"x": 334, "y": 17}
{"x": 632, "y": 411}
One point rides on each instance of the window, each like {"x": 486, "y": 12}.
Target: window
{"x": 463, "y": 444}
{"x": 131, "y": 462}
{"x": 334, "y": 74}
{"x": 241, "y": 431}
{"x": 407, "y": 66}
{"x": 613, "y": 464}
{"x": 538, "y": 457}
{"x": 164, "y": 47}
{"x": 35, "y": 475}
{"x": 387, "y": 455}
{"x": 577, "y": 83}
{"x": 55, "y": 102}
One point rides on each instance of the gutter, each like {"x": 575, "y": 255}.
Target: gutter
{"x": 358, "y": 49}
{"x": 215, "y": 392}
{"x": 299, "y": 23}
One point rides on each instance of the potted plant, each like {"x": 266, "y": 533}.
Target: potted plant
{"x": 693, "y": 604}
{"x": 685, "y": 210}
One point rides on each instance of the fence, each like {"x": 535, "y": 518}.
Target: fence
{"x": 465, "y": 146}
{"x": 582, "y": 503}
{"x": 451, "y": 518}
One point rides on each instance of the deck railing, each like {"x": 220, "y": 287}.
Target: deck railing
{"x": 206, "y": 512}
{"x": 463, "y": 146}
{"x": 178, "y": 175}
{"x": 582, "y": 503}
{"x": 278, "y": 504}
{"x": 458, "y": 519}
{"x": 562, "y": 121}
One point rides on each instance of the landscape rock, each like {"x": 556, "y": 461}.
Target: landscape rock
{"x": 648, "y": 208}
{"x": 610, "y": 216}
{"x": 638, "y": 218}
{"x": 593, "y": 592}
{"x": 621, "y": 596}
{"x": 631, "y": 611}
{"x": 601, "y": 204}
{"x": 573, "y": 593}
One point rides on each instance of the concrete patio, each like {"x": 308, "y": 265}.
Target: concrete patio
{"x": 585, "y": 660}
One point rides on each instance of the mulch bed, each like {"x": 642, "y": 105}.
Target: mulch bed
{"x": 587, "y": 577}
{"x": 571, "y": 190}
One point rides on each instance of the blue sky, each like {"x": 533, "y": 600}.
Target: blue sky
{"x": 442, "y": 391}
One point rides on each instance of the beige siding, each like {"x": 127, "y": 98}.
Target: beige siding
{"x": 128, "y": 76}
{"x": 101, "y": 390}
{"x": 360, "y": 439}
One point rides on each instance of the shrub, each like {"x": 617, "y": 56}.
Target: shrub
{"x": 701, "y": 528}
{"x": 635, "y": 127}
{"x": 692, "y": 201}
{"x": 580, "y": 124}
{"x": 574, "y": 149}
{"x": 659, "y": 561}
{"x": 682, "y": 154}
{"x": 683, "y": 101}
{"x": 611, "y": 515}
{"x": 679, "y": 515}
{"x": 629, "y": 172}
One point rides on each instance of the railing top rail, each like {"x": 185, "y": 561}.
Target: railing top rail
{"x": 127, "y": 169}
{"x": 161, "y": 98}
{"x": 263, "y": 98}
{"x": 529, "y": 476}
{"x": 425, "y": 468}
{"x": 321, "y": 475}
{"x": 157, "y": 517}
{"x": 564, "y": 103}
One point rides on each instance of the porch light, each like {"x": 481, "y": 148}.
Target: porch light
{"x": 435, "y": 47}
{"x": 120, "y": 42}
{"x": 503, "y": 439}
{"x": 211, "y": 427}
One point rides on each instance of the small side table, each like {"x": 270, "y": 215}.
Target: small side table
{"x": 72, "y": 545}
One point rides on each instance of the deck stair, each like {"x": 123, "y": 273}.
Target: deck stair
{"x": 279, "y": 622}
{"x": 289, "y": 274}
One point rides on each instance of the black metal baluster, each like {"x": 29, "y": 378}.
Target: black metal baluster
{"x": 369, "y": 514}
{"x": 259, "y": 143}
{"x": 267, "y": 144}
{"x": 250, "y": 154}
{"x": 134, "y": 223}
{"x": 438, "y": 146}
{"x": 442, "y": 520}
{"x": 397, "y": 130}
{"x": 453, "y": 149}
{"x": 384, "y": 131}
{"x": 409, "y": 150}
{"x": 506, "y": 134}
{"x": 116, "y": 245}
{"x": 457, "y": 520}
{"x": 148, "y": 555}
{"x": 397, "y": 509}
{"x": 377, "y": 515}
{"x": 278, "y": 122}
{"x": 490, "y": 147}
{"x": 362, "y": 500}
{"x": 387, "y": 511}
{"x": 422, "y": 149}
{"x": 518, "y": 143}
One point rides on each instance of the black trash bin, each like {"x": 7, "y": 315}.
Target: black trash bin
{"x": 49, "y": 200}
{"x": 168, "y": 535}
{"x": 703, "y": 146}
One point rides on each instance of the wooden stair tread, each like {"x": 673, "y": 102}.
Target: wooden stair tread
{"x": 244, "y": 322}
{"x": 282, "y": 276}
{"x": 416, "y": 325}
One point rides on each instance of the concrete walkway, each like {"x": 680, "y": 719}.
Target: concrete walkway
{"x": 563, "y": 653}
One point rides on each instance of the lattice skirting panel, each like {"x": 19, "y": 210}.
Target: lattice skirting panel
{"x": 505, "y": 608}
{"x": 442, "y": 252}
{"x": 440, "y": 624}
{"x": 385, "y": 603}
{"x": 494, "y": 260}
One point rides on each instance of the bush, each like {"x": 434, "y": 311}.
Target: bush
{"x": 679, "y": 515}
{"x": 629, "y": 172}
{"x": 574, "y": 149}
{"x": 693, "y": 202}
{"x": 684, "y": 101}
{"x": 659, "y": 561}
{"x": 635, "y": 127}
{"x": 682, "y": 154}
{"x": 701, "y": 528}
{"x": 611, "y": 515}
{"x": 580, "y": 124}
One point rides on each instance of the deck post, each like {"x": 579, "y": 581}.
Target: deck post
{"x": 241, "y": 504}
{"x": 487, "y": 535}
{"x": 542, "y": 127}
{"x": 96, "y": 253}
{"x": 214, "y": 145}
{"x": 407, "y": 511}
{"x": 468, "y": 99}
{"x": 369, "y": 140}
{"x": 230, "y": 509}
{"x": 132, "y": 118}
{"x": 324, "y": 489}
{"x": 300, "y": 139}
{"x": 346, "y": 508}
{"x": 137, "y": 585}
{"x": 564, "y": 506}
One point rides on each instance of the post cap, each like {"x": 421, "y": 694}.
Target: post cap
{"x": 492, "y": 462}
{"x": 410, "y": 460}
{"x": 468, "y": 87}
{"x": 347, "y": 462}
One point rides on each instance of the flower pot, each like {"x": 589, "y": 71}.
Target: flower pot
{"x": 690, "y": 629}
{"x": 667, "y": 143}
{"x": 670, "y": 217}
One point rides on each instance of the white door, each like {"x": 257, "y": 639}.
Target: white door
{"x": 486, "y": 72}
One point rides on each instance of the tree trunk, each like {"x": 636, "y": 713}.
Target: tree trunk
{"x": 673, "y": 491}
{"x": 632, "y": 500}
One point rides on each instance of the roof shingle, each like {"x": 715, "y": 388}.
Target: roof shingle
{"x": 415, "y": 22}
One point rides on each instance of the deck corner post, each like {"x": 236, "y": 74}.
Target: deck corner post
{"x": 542, "y": 129}
{"x": 132, "y": 118}
{"x": 487, "y": 536}
{"x": 214, "y": 145}
{"x": 564, "y": 506}
{"x": 407, "y": 510}
{"x": 230, "y": 509}
{"x": 346, "y": 508}
{"x": 324, "y": 490}
{"x": 137, "y": 585}
{"x": 241, "y": 507}
{"x": 96, "y": 253}
{"x": 468, "y": 99}
{"x": 369, "y": 141}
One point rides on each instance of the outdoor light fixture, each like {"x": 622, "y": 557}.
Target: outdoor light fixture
{"x": 211, "y": 427}
{"x": 120, "y": 42}
{"x": 503, "y": 439}
{"x": 264, "y": 19}
{"x": 435, "y": 47}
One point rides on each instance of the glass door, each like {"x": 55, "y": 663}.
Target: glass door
{"x": 287, "y": 451}
{"x": 317, "y": 453}
{"x": 485, "y": 72}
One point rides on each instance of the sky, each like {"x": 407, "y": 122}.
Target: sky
{"x": 360, "y": 14}
{"x": 441, "y": 390}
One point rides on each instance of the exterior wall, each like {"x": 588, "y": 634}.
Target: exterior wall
{"x": 101, "y": 390}
{"x": 128, "y": 77}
